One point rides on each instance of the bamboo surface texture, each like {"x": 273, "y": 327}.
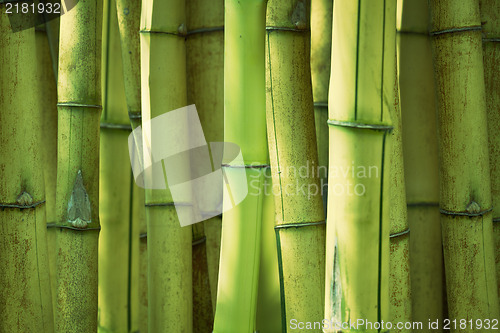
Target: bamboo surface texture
{"x": 244, "y": 125}
{"x": 362, "y": 94}
{"x": 24, "y": 270}
{"x": 163, "y": 80}
{"x": 300, "y": 221}
{"x": 77, "y": 193}
{"x": 418, "y": 109}
{"x": 490, "y": 18}
{"x": 465, "y": 196}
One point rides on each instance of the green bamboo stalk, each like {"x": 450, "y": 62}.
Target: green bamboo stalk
{"x": 321, "y": 47}
{"x": 24, "y": 272}
{"x": 300, "y": 221}
{"x": 47, "y": 99}
{"x": 269, "y": 298}
{"x": 163, "y": 78}
{"x": 205, "y": 81}
{"x": 399, "y": 273}
{"x": 115, "y": 252}
{"x": 490, "y": 18}
{"x": 418, "y": 100}
{"x": 465, "y": 196}
{"x": 129, "y": 15}
{"x": 77, "y": 193}
{"x": 358, "y": 223}
{"x": 244, "y": 124}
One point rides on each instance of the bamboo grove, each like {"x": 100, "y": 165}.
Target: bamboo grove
{"x": 241, "y": 166}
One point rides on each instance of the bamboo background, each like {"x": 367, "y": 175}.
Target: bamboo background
{"x": 408, "y": 87}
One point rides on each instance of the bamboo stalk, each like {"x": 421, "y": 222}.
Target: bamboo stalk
{"x": 77, "y": 193}
{"x": 399, "y": 274}
{"x": 163, "y": 79}
{"x": 244, "y": 124}
{"x": 115, "y": 252}
{"x": 269, "y": 298}
{"x": 321, "y": 47}
{"x": 362, "y": 88}
{"x": 465, "y": 196}
{"x": 421, "y": 162}
{"x": 300, "y": 223}
{"x": 47, "y": 99}
{"x": 129, "y": 15}
{"x": 24, "y": 272}
{"x": 490, "y": 18}
{"x": 205, "y": 81}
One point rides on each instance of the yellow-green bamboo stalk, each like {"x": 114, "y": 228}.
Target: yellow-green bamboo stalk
{"x": 321, "y": 47}
{"x": 77, "y": 193}
{"x": 269, "y": 298}
{"x": 363, "y": 95}
{"x": 115, "y": 252}
{"x": 465, "y": 196}
{"x": 300, "y": 220}
{"x": 420, "y": 147}
{"x": 129, "y": 15}
{"x": 163, "y": 78}
{"x": 399, "y": 273}
{"x": 490, "y": 15}
{"x": 244, "y": 124}
{"x": 24, "y": 272}
{"x": 205, "y": 80}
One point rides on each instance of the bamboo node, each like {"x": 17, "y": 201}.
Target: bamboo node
{"x": 24, "y": 199}
{"x": 298, "y": 225}
{"x": 375, "y": 127}
{"x": 401, "y": 233}
{"x": 79, "y": 204}
{"x": 472, "y": 210}
{"x": 453, "y": 30}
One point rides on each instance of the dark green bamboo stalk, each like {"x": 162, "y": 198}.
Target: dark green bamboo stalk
{"x": 205, "y": 81}
{"x": 47, "y": 99}
{"x": 77, "y": 193}
{"x": 465, "y": 195}
{"x": 24, "y": 273}
{"x": 420, "y": 150}
{"x": 321, "y": 47}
